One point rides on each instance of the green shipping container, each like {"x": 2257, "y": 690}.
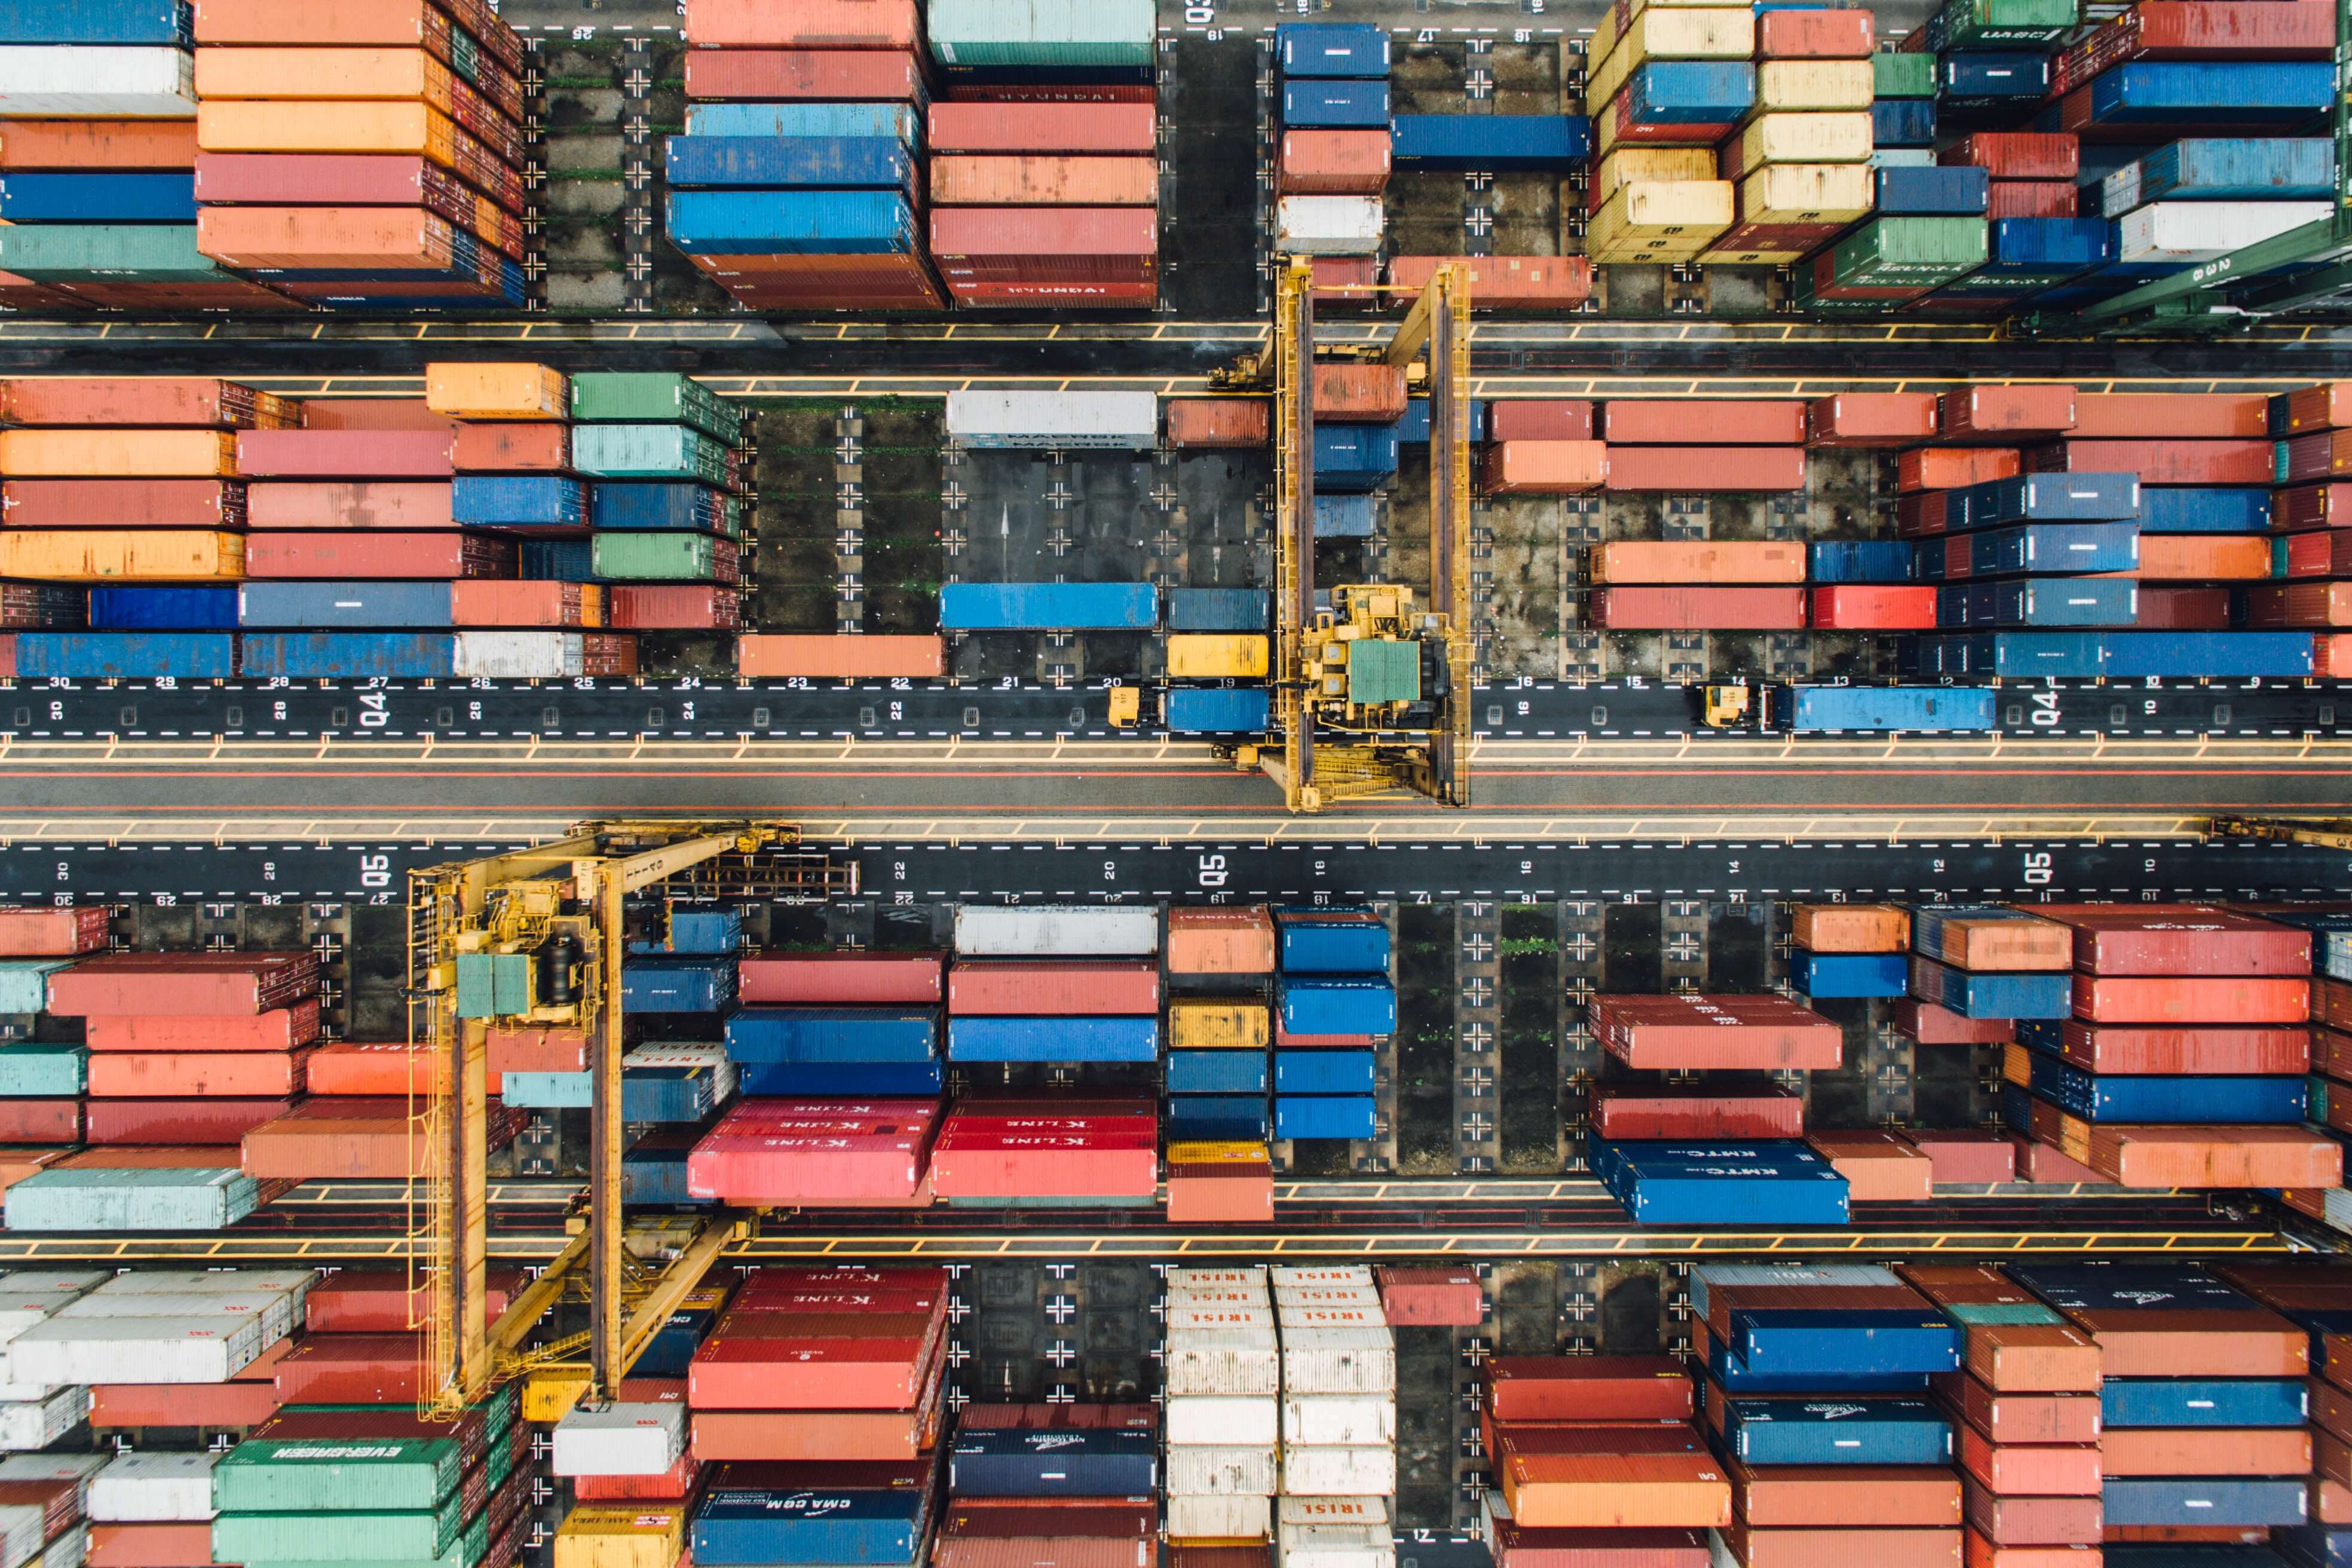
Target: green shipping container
{"x": 49, "y": 1070}
{"x": 124, "y": 252}
{"x": 1383, "y": 670}
{"x": 647, "y": 452}
{"x": 347, "y": 1475}
{"x": 1902, "y": 76}
{"x": 25, "y": 984}
{"x": 1908, "y": 252}
{"x": 1989, "y": 1313}
{"x": 657, "y": 557}
{"x": 495, "y": 985}
{"x": 1044, "y": 32}
{"x": 1999, "y": 24}
{"x": 654, "y": 398}
{"x": 353, "y": 1536}
{"x": 203, "y": 1198}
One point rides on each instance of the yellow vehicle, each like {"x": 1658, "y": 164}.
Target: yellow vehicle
{"x": 1216, "y": 656}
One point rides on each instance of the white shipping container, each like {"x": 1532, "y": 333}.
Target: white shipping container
{"x": 134, "y": 1350}
{"x": 273, "y": 1308}
{"x": 1188, "y": 1314}
{"x": 723, "y": 1070}
{"x": 1222, "y": 1361}
{"x": 519, "y": 655}
{"x": 1342, "y": 1297}
{"x": 29, "y": 1424}
{"x": 1328, "y": 1419}
{"x": 2200, "y": 231}
{"x": 153, "y": 1488}
{"x": 1326, "y": 1276}
{"x": 45, "y": 1281}
{"x": 1055, "y": 930}
{"x": 1338, "y": 1472}
{"x": 69, "y": 1550}
{"x": 1335, "y": 1546}
{"x": 52, "y": 1467}
{"x": 1235, "y": 1516}
{"x": 1111, "y": 419}
{"x": 1210, "y": 1420}
{"x": 1213, "y": 1296}
{"x": 21, "y": 1530}
{"x": 1336, "y": 1361}
{"x": 1206, "y": 1469}
{"x": 1713, "y": 1275}
{"x": 1250, "y": 1278}
{"x": 138, "y": 83}
{"x": 635, "y": 1438}
{"x": 1367, "y": 1512}
{"x": 1294, "y": 1317}
{"x": 297, "y": 1282}
{"x": 1330, "y": 225}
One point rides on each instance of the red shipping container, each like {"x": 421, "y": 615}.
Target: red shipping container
{"x": 2207, "y": 1051}
{"x": 2179, "y": 939}
{"x": 1689, "y": 470}
{"x": 2300, "y": 604}
{"x": 2009, "y": 413}
{"x": 2038, "y": 1470}
{"x": 1515, "y": 1546}
{"x": 220, "y": 1122}
{"x": 2197, "y": 1158}
{"x": 228, "y": 1406}
{"x": 2031, "y": 1520}
{"x": 1043, "y": 1157}
{"x": 226, "y": 984}
{"x": 1603, "y": 1388}
{"x": 1957, "y": 1284}
{"x": 808, "y": 24}
{"x": 351, "y": 1369}
{"x": 1696, "y": 1112}
{"x": 1043, "y": 128}
{"x": 52, "y": 934}
{"x": 2150, "y": 999}
{"x": 806, "y": 1374}
{"x": 316, "y": 504}
{"x": 834, "y": 1438}
{"x": 377, "y": 1068}
{"x": 328, "y": 179}
{"x": 2204, "y": 1451}
{"x": 1930, "y": 1025}
{"x": 2163, "y": 608}
{"x": 513, "y": 446}
{"x": 1361, "y": 393}
{"x": 2179, "y": 415}
{"x": 1333, "y": 163}
{"x": 2019, "y": 155}
{"x": 1845, "y": 1497}
{"x": 2161, "y": 462}
{"x": 1045, "y": 243}
{"x": 374, "y": 414}
{"x": 124, "y": 503}
{"x": 142, "y": 401}
{"x": 674, "y": 1485}
{"x": 496, "y": 602}
{"x": 1024, "y": 987}
{"x": 380, "y": 1301}
{"x": 1948, "y": 468}
{"x": 1814, "y": 35}
{"x": 685, "y": 606}
{"x": 249, "y": 1075}
{"x": 1344, "y": 280}
{"x": 1755, "y": 1547}
{"x": 111, "y": 144}
{"x": 40, "y": 1122}
{"x": 358, "y": 557}
{"x": 1719, "y": 421}
{"x": 1433, "y": 1298}
{"x": 315, "y": 454}
{"x": 1243, "y": 422}
{"x": 1538, "y": 419}
{"x": 2318, "y": 553}
{"x": 816, "y": 1152}
{"x": 1715, "y": 1031}
{"x": 841, "y": 979}
{"x": 2004, "y": 1416}
{"x": 150, "y": 1546}
{"x": 1874, "y": 607}
{"x": 1502, "y": 282}
{"x": 281, "y": 1029}
{"x": 891, "y": 76}
{"x": 1700, "y": 609}
{"x": 2032, "y": 198}
{"x": 1866, "y": 418}
{"x": 1964, "y": 1155}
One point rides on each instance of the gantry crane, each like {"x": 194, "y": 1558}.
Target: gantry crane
{"x": 536, "y": 937}
{"x": 1391, "y": 680}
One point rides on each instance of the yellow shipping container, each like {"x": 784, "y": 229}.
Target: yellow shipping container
{"x": 132, "y": 555}
{"x": 1217, "y": 1026}
{"x": 1722, "y": 257}
{"x": 1659, "y": 220}
{"x": 350, "y": 73}
{"x": 1806, "y": 192}
{"x": 1672, "y": 33}
{"x": 255, "y": 125}
{"x": 1207, "y": 1153}
{"x": 1616, "y": 18}
{"x": 1804, "y": 139}
{"x": 85, "y": 453}
{"x": 496, "y": 390}
{"x": 1626, "y": 165}
{"x": 1813, "y": 84}
{"x": 1215, "y": 656}
{"x": 620, "y": 1535}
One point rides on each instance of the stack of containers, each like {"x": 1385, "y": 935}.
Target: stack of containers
{"x": 247, "y": 1398}
{"x": 1903, "y": 138}
{"x": 1219, "y": 1032}
{"x": 1239, "y": 648}
{"x": 2313, "y": 1297}
{"x": 1855, "y": 953}
{"x": 1223, "y": 1387}
{"x": 37, "y": 1409}
{"x": 2025, "y": 1406}
{"x": 1046, "y": 1008}
{"x": 99, "y": 105}
{"x": 2170, "y": 1078}
{"x": 2203, "y": 1402}
{"x": 131, "y": 483}
{"x": 1927, "y": 483}
{"x": 1869, "y": 583}
{"x": 1670, "y": 586}
{"x": 856, "y": 1153}
{"x": 1338, "y": 1416}
{"x": 1541, "y": 447}
{"x": 1333, "y": 158}
{"x": 364, "y": 162}
{"x": 665, "y": 490}
{"x": 998, "y": 1152}
{"x": 1801, "y": 158}
{"x": 1043, "y": 1480}
{"x": 152, "y": 1507}
{"x": 34, "y": 945}
{"x": 2205, "y": 182}
{"x": 2312, "y": 590}
{"x": 1980, "y": 968}
{"x": 840, "y": 1025}
{"x": 1667, "y": 205}
{"x": 797, "y": 184}
{"x": 2033, "y": 238}
{"x": 1334, "y": 1001}
{"x": 1597, "y": 1454}
{"x": 634, "y": 1448}
{"x": 1819, "y": 1369}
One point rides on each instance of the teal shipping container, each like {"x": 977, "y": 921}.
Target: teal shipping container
{"x": 653, "y": 397}
{"x": 648, "y": 452}
{"x": 185, "y": 1198}
{"x": 51, "y": 1072}
{"x": 1121, "y": 33}
{"x": 333, "y": 1475}
{"x": 25, "y": 984}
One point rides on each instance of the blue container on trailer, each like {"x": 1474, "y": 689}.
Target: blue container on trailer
{"x": 1964, "y": 191}
{"x": 1861, "y": 561}
{"x": 1791, "y": 1341}
{"x": 755, "y": 1527}
{"x": 2026, "y": 654}
{"x": 1323, "y": 1071}
{"x": 97, "y": 21}
{"x": 1054, "y": 1039}
{"x": 518, "y": 500}
{"x": 1817, "y": 709}
{"x": 98, "y": 198}
{"x": 2163, "y": 509}
{"x": 1219, "y": 609}
{"x": 1848, "y": 975}
{"x": 2049, "y": 498}
{"x": 840, "y": 1081}
{"x": 2204, "y": 1402}
{"x": 1218, "y": 710}
{"x": 656, "y": 505}
{"x": 1090, "y": 1462}
{"x": 813, "y": 1034}
{"x": 1348, "y": 1116}
{"x": 2194, "y": 1101}
{"x": 1991, "y": 995}
{"x": 2210, "y": 92}
{"x": 793, "y": 223}
{"x": 2218, "y": 168}
{"x": 2186, "y": 654}
{"x": 1335, "y": 103}
{"x": 810, "y": 162}
{"x": 126, "y": 656}
{"x": 897, "y": 120}
{"x": 1990, "y": 78}
{"x": 681, "y": 984}
{"x": 1532, "y": 142}
{"x": 698, "y": 931}
{"x": 163, "y": 609}
{"x": 1048, "y": 607}
{"x": 2054, "y": 549}
{"x": 1332, "y": 49}
{"x": 1332, "y": 1005}
{"x": 1837, "y": 1432}
{"x": 328, "y": 656}
{"x": 345, "y": 605}
{"x": 1413, "y": 428}
{"x": 1343, "y": 517}
{"x": 1216, "y": 1072}
{"x": 2209, "y": 1501}
{"x": 1904, "y": 122}
{"x": 1215, "y": 1116}
{"x": 1690, "y": 92}
{"x": 1774, "y": 1182}
{"x": 1310, "y": 946}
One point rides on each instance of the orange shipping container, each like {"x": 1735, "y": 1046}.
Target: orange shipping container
{"x": 2034, "y": 1358}
{"x": 1814, "y": 35}
{"x": 97, "y": 554}
{"x": 372, "y": 413}
{"x": 1689, "y": 470}
{"x": 377, "y": 1068}
{"x": 176, "y": 1075}
{"x": 1878, "y": 1167}
{"x": 2014, "y": 1469}
{"x": 1700, "y": 609}
{"x": 1616, "y": 1491}
{"x": 112, "y": 145}
{"x": 1220, "y": 941}
{"x": 1869, "y": 418}
{"x": 2201, "y": 557}
{"x": 1851, "y": 927}
{"x": 1504, "y": 282}
{"x": 1724, "y": 422}
{"x": 804, "y": 24}
{"x": 1699, "y": 560}
{"x": 496, "y": 602}
{"x": 397, "y": 240}
{"x": 2205, "y": 1157}
{"x": 2204, "y": 1451}
{"x": 970, "y": 181}
{"x": 1543, "y": 467}
{"x": 1219, "y": 422}
{"x": 410, "y": 22}
{"x": 2002, "y": 946}
{"x": 1095, "y": 128}
{"x": 2191, "y": 999}
{"x": 471, "y": 390}
{"x": 259, "y": 125}
{"x": 1334, "y": 162}
{"x": 1892, "y": 1548}
{"x": 1951, "y": 467}
{"x": 117, "y": 454}
{"x": 2184, "y": 415}
{"x": 143, "y": 402}
{"x": 328, "y": 74}
{"x": 1358, "y": 393}
{"x": 836, "y": 657}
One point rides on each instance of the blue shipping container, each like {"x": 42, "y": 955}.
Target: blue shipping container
{"x": 1991, "y": 995}
{"x": 98, "y": 198}
{"x": 661, "y": 983}
{"x": 327, "y": 656}
{"x": 2167, "y": 509}
{"x": 2204, "y": 1402}
{"x": 2048, "y": 498}
{"x": 1342, "y": 450}
{"x": 2184, "y": 654}
{"x": 1775, "y": 1182}
{"x": 2026, "y": 654}
{"x": 1219, "y": 609}
{"x": 670, "y": 1094}
{"x": 1934, "y": 710}
{"x": 2054, "y": 549}
{"x": 697, "y": 931}
{"x": 1332, "y": 49}
{"x": 1331, "y": 1007}
{"x": 1904, "y": 122}
{"x": 2201, "y": 93}
{"x": 1214, "y": 1116}
{"x": 1413, "y": 428}
{"x": 1343, "y": 517}
{"x": 1216, "y": 1072}
{"x": 1848, "y": 975}
{"x": 892, "y": 120}
{"x": 1310, "y": 946}
{"x": 841, "y": 1080}
{"x": 1491, "y": 141}
{"x": 557, "y": 560}
{"x": 126, "y": 656}
{"x": 2194, "y": 1101}
{"x": 356, "y": 606}
{"x": 1992, "y": 78}
{"x": 811, "y": 1035}
{"x": 1826, "y": 1342}
{"x": 652, "y": 1170}
{"x": 1861, "y": 561}
{"x": 96, "y": 22}
{"x": 1218, "y": 710}
{"x": 1057, "y": 1039}
{"x": 657, "y": 505}
{"x": 1090, "y": 1462}
{"x": 751, "y": 1527}
{"x": 163, "y": 609}
{"x": 1730, "y": 1372}
{"x": 1957, "y": 193}
{"x": 2315, "y": 1545}
{"x": 517, "y": 500}
{"x": 1690, "y": 92}
{"x": 805, "y": 163}
{"x": 2213, "y": 168}
{"x": 1048, "y": 607}
{"x": 1839, "y": 1432}
{"x": 791, "y": 223}
{"x": 2216, "y": 1500}
{"x": 2055, "y": 602}
{"x": 1335, "y": 103}
{"x": 1322, "y": 1072}
{"x": 1348, "y": 1116}
{"x": 671, "y": 1350}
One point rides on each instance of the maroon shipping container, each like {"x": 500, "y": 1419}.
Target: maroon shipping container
{"x": 1693, "y": 469}
{"x": 1865, "y": 418}
{"x": 1965, "y": 1156}
{"x": 331, "y": 503}
{"x": 1597, "y": 1388}
{"x": 1043, "y": 128}
{"x": 2004, "y": 415}
{"x": 2190, "y": 999}
{"x": 1539, "y": 419}
{"x": 1719, "y": 421}
{"x": 891, "y": 76}
{"x": 2032, "y": 198}
{"x": 1020, "y": 987}
{"x": 1752, "y": 1033}
{"x": 1920, "y": 513}
{"x": 52, "y": 934}
{"x": 207, "y": 504}
{"x": 1107, "y": 245}
{"x": 2023, "y": 155}
{"x": 373, "y": 414}
{"x": 2319, "y": 553}
{"x": 1696, "y": 1111}
{"x": 351, "y": 1369}
{"x": 1058, "y": 1417}
{"x": 840, "y": 979}
{"x": 230, "y": 983}
{"x": 2160, "y": 462}
{"x": 2179, "y": 939}
{"x": 2292, "y": 509}
{"x": 40, "y": 1122}
{"x": 183, "y": 1120}
{"x": 363, "y": 556}
{"x": 682, "y": 606}
{"x": 278, "y": 1029}
{"x": 2299, "y": 605}
{"x": 345, "y": 454}
{"x": 1698, "y": 609}
{"x": 2180, "y": 609}
{"x": 1073, "y": 295}
{"x": 1516, "y": 1546}
{"x": 2206, "y": 1051}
